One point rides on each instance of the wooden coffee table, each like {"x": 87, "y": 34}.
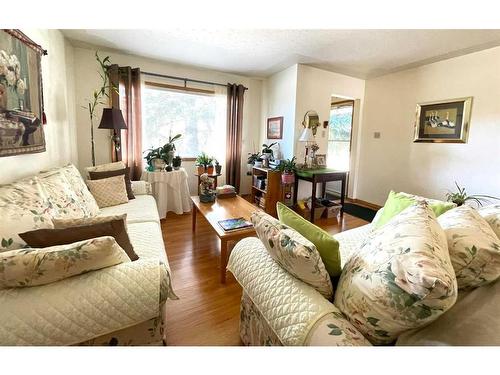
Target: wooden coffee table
{"x": 222, "y": 209}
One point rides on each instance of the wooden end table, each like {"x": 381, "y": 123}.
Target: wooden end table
{"x": 222, "y": 209}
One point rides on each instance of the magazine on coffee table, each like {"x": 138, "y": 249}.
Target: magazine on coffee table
{"x": 234, "y": 224}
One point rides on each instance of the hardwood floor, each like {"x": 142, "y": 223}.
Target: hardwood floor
{"x": 207, "y": 312}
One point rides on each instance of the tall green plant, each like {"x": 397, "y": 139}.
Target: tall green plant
{"x": 99, "y": 95}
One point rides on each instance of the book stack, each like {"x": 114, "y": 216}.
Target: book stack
{"x": 262, "y": 202}
{"x": 226, "y": 191}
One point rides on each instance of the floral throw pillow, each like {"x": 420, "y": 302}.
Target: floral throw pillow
{"x": 81, "y": 190}
{"x": 293, "y": 252}
{"x": 492, "y": 215}
{"x": 474, "y": 248}
{"x": 401, "y": 278}
{"x": 23, "y": 207}
{"x": 31, "y": 267}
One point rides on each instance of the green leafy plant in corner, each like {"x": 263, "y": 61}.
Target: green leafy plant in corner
{"x": 460, "y": 197}
{"x": 99, "y": 96}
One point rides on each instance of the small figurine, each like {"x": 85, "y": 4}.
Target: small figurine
{"x": 207, "y": 194}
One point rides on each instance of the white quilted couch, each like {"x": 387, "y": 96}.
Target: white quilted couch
{"x": 278, "y": 309}
{"x": 119, "y": 305}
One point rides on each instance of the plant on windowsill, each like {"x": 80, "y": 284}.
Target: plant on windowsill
{"x": 176, "y": 162}
{"x": 288, "y": 168}
{"x": 161, "y": 157}
{"x": 204, "y": 164}
{"x": 460, "y": 197}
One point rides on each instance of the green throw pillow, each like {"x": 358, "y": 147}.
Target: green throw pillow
{"x": 327, "y": 246}
{"x": 397, "y": 202}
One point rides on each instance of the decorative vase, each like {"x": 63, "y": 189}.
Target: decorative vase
{"x": 200, "y": 169}
{"x": 218, "y": 168}
{"x": 158, "y": 164}
{"x": 288, "y": 178}
{"x": 210, "y": 169}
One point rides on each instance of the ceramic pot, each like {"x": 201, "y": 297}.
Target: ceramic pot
{"x": 200, "y": 169}
{"x": 218, "y": 169}
{"x": 288, "y": 178}
{"x": 210, "y": 169}
{"x": 158, "y": 164}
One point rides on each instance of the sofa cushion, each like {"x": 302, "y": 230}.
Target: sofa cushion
{"x": 492, "y": 215}
{"x": 397, "y": 202}
{"x": 293, "y": 252}
{"x": 473, "y": 246}
{"x": 327, "y": 246}
{"x": 401, "y": 279}
{"x": 23, "y": 206}
{"x": 68, "y": 223}
{"x": 109, "y": 191}
{"x": 106, "y": 167}
{"x": 31, "y": 267}
{"x": 141, "y": 209}
{"x": 41, "y": 238}
{"x": 105, "y": 174}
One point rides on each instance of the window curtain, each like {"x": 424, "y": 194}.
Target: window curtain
{"x": 127, "y": 80}
{"x": 235, "y": 99}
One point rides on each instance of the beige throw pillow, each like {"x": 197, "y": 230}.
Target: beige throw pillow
{"x": 68, "y": 223}
{"x": 106, "y": 167}
{"x": 109, "y": 191}
{"x": 474, "y": 247}
{"x": 492, "y": 215}
{"x": 31, "y": 267}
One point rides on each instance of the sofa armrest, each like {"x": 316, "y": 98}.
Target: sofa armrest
{"x": 293, "y": 309}
{"x": 142, "y": 188}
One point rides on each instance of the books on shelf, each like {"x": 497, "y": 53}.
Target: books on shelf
{"x": 234, "y": 224}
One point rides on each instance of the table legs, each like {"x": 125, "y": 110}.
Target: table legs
{"x": 342, "y": 196}
{"x": 313, "y": 199}
{"x": 193, "y": 218}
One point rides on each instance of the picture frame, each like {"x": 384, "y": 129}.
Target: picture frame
{"x": 275, "y": 128}
{"x": 21, "y": 94}
{"x": 320, "y": 160}
{"x": 444, "y": 121}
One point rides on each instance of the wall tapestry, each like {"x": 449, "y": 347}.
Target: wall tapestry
{"x": 445, "y": 121}
{"x": 21, "y": 97}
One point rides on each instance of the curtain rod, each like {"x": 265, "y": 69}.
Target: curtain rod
{"x": 185, "y": 79}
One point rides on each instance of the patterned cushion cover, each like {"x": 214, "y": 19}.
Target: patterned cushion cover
{"x": 293, "y": 252}
{"x": 62, "y": 196}
{"x": 474, "y": 248}
{"x": 401, "y": 278}
{"x": 109, "y": 191}
{"x": 81, "y": 190}
{"x": 23, "y": 206}
{"x": 492, "y": 215}
{"x": 106, "y": 167}
{"x": 31, "y": 267}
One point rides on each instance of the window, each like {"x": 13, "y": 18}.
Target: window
{"x": 339, "y": 135}
{"x": 198, "y": 116}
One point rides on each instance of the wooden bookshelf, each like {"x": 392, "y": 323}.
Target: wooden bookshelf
{"x": 270, "y": 193}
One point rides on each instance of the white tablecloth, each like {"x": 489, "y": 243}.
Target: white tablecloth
{"x": 170, "y": 190}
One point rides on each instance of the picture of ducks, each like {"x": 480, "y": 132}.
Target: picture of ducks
{"x": 435, "y": 121}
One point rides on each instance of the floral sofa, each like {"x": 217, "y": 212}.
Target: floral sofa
{"x": 279, "y": 309}
{"x": 118, "y": 305}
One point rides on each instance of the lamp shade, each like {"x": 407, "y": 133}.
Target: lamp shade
{"x": 307, "y": 135}
{"x": 112, "y": 118}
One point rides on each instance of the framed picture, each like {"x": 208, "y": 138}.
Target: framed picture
{"x": 321, "y": 160}
{"x": 21, "y": 100}
{"x": 445, "y": 121}
{"x": 275, "y": 128}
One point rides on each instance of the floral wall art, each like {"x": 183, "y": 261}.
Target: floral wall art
{"x": 21, "y": 98}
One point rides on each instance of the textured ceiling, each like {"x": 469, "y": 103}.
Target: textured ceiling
{"x": 359, "y": 53}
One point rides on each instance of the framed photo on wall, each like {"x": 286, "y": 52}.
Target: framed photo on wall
{"x": 444, "y": 121}
{"x": 275, "y": 128}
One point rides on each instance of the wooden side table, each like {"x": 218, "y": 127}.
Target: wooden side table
{"x": 321, "y": 175}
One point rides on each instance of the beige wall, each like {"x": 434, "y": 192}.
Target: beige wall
{"x": 87, "y": 80}
{"x": 395, "y": 162}
{"x": 315, "y": 88}
{"x": 60, "y": 131}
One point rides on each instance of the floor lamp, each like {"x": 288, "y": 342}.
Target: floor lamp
{"x": 112, "y": 118}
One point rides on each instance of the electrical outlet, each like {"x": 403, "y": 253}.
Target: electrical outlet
{"x": 376, "y": 135}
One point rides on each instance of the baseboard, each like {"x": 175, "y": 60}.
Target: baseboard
{"x": 363, "y": 203}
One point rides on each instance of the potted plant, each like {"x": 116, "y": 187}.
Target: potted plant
{"x": 168, "y": 149}
{"x": 258, "y": 162}
{"x": 154, "y": 160}
{"x": 203, "y": 161}
{"x": 460, "y": 197}
{"x": 288, "y": 168}
{"x": 267, "y": 150}
{"x": 218, "y": 167}
{"x": 210, "y": 166}
{"x": 176, "y": 162}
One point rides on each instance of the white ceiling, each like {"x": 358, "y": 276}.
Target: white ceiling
{"x": 359, "y": 53}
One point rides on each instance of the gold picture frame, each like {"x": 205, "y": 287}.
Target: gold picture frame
{"x": 444, "y": 121}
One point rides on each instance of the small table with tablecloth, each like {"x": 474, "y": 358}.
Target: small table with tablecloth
{"x": 322, "y": 175}
{"x": 170, "y": 190}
